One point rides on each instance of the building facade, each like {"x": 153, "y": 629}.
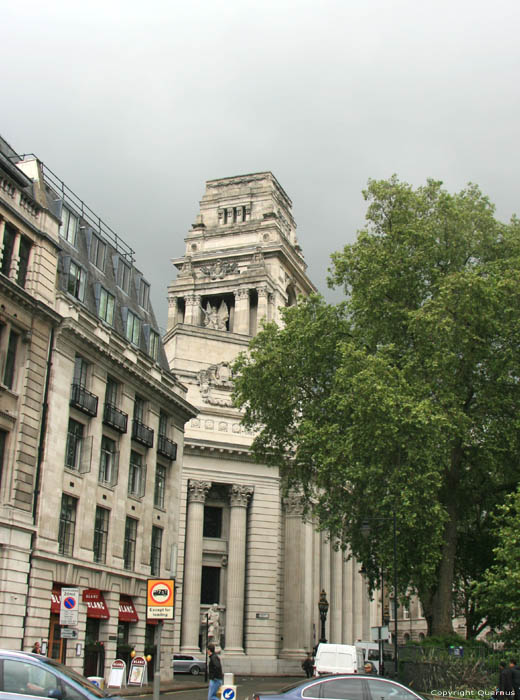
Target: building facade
{"x": 242, "y": 546}
{"x": 102, "y": 499}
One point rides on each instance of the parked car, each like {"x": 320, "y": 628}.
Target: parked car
{"x": 342, "y": 687}
{"x": 185, "y": 663}
{"x": 25, "y": 675}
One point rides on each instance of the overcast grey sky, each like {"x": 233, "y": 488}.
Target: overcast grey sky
{"x": 136, "y": 104}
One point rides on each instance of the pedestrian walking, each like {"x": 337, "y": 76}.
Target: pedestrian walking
{"x": 515, "y": 677}
{"x": 505, "y": 690}
{"x": 215, "y": 674}
{"x": 369, "y": 668}
{"x": 308, "y": 665}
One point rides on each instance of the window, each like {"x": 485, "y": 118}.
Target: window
{"x": 212, "y": 522}
{"x": 76, "y": 282}
{"x": 101, "y": 534}
{"x": 3, "y": 443}
{"x": 338, "y": 689}
{"x": 210, "y": 585}
{"x": 67, "y": 525}
{"x": 144, "y": 294}
{"x": 69, "y": 226}
{"x": 98, "y": 252}
{"x": 7, "y": 258}
{"x": 111, "y": 391}
{"x": 130, "y": 542}
{"x": 160, "y": 486}
{"x": 74, "y": 443}
{"x": 10, "y": 359}
{"x": 386, "y": 690}
{"x": 123, "y": 276}
{"x": 23, "y": 260}
{"x": 106, "y": 306}
{"x": 80, "y": 371}
{"x": 136, "y": 475}
{"x": 133, "y": 328}
{"x": 139, "y": 405}
{"x": 154, "y": 345}
{"x": 155, "y": 551}
{"x": 25, "y": 679}
{"x": 163, "y": 424}
{"x": 108, "y": 462}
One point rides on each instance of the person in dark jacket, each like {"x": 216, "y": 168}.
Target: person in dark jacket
{"x": 505, "y": 683}
{"x": 215, "y": 674}
{"x": 515, "y": 677}
{"x": 308, "y": 665}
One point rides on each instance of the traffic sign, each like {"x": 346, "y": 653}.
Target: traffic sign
{"x": 68, "y": 633}
{"x": 160, "y": 599}
{"x": 69, "y": 605}
{"x": 229, "y": 692}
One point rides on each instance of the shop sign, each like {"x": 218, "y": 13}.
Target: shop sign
{"x": 117, "y": 674}
{"x": 138, "y": 671}
{"x": 96, "y": 606}
{"x": 127, "y": 611}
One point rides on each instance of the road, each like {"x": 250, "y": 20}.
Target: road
{"x": 246, "y": 685}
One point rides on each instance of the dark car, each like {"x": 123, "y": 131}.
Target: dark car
{"x": 25, "y": 675}
{"x": 186, "y": 663}
{"x": 342, "y": 687}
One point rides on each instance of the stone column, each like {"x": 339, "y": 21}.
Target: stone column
{"x": 262, "y": 306}
{"x": 347, "y": 637}
{"x": 293, "y": 610}
{"x": 173, "y": 311}
{"x": 336, "y": 596}
{"x": 236, "y": 577}
{"x": 197, "y": 491}
{"x": 193, "y": 310}
{"x": 241, "y": 319}
{"x": 2, "y": 231}
{"x": 359, "y": 594}
{"x": 15, "y": 259}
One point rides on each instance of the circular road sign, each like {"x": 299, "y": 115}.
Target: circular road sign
{"x": 228, "y": 694}
{"x": 161, "y": 592}
{"x": 69, "y": 603}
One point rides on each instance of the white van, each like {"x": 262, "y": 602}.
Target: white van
{"x": 370, "y": 652}
{"x": 335, "y": 658}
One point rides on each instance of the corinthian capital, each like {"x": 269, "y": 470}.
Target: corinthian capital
{"x": 197, "y": 491}
{"x": 293, "y": 504}
{"x": 240, "y": 495}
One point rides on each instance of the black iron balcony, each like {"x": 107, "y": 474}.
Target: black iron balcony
{"x": 84, "y": 400}
{"x": 142, "y": 433}
{"x": 115, "y": 418}
{"x": 167, "y": 448}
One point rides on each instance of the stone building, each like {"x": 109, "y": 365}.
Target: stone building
{"x": 98, "y": 495}
{"x": 241, "y": 546}
{"x": 28, "y": 256}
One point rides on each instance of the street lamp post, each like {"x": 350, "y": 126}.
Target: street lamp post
{"x": 323, "y": 606}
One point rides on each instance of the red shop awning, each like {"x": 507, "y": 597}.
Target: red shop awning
{"x": 127, "y": 611}
{"x": 96, "y": 606}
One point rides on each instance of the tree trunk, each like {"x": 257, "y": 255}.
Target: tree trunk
{"x": 442, "y": 599}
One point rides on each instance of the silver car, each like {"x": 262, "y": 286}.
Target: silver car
{"x": 186, "y": 663}
{"x": 25, "y": 675}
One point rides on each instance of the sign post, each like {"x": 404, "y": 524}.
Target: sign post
{"x": 160, "y": 606}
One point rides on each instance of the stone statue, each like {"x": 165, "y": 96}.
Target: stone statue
{"x": 214, "y": 624}
{"x": 216, "y": 319}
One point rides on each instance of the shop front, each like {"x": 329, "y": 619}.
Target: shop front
{"x": 127, "y": 617}
{"x": 97, "y": 613}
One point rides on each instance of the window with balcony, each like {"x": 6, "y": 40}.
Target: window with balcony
{"x": 130, "y": 543}
{"x": 155, "y": 551}
{"x": 133, "y": 328}
{"x": 67, "y": 525}
{"x": 69, "y": 226}
{"x": 112, "y": 416}
{"x": 136, "y": 475}
{"x": 140, "y": 432}
{"x": 101, "y": 534}
{"x": 76, "y": 282}
{"x": 106, "y": 306}
{"x": 98, "y": 252}
{"x": 160, "y": 486}
{"x": 108, "y": 462}
{"x": 81, "y": 398}
{"x": 165, "y": 447}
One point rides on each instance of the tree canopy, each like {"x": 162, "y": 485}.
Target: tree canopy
{"x": 404, "y": 398}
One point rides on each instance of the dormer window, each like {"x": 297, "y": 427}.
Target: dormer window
{"x": 123, "y": 276}
{"x": 69, "y": 226}
{"x": 97, "y": 252}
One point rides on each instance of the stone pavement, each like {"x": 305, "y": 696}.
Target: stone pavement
{"x": 168, "y": 685}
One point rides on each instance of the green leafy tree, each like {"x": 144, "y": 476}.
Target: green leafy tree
{"x": 499, "y": 592}
{"x": 404, "y": 399}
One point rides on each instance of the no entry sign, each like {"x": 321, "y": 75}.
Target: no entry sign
{"x": 161, "y": 599}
